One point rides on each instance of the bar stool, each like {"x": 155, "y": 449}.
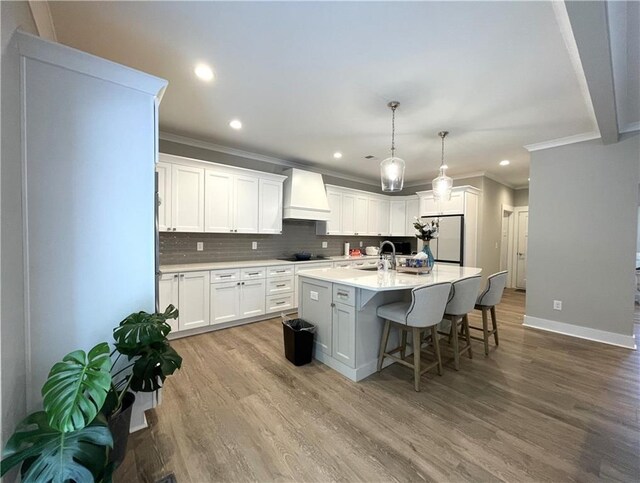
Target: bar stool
{"x": 487, "y": 301}
{"x": 461, "y": 301}
{"x": 424, "y": 311}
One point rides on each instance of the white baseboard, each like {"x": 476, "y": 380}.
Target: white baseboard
{"x": 611, "y": 338}
{"x": 138, "y": 427}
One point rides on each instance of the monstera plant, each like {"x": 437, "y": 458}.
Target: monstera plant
{"x": 82, "y": 432}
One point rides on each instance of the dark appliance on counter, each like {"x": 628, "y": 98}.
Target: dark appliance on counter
{"x": 294, "y": 258}
{"x": 449, "y": 246}
{"x": 402, "y": 248}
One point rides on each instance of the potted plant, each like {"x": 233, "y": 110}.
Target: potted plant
{"x": 427, "y": 232}
{"x": 85, "y": 400}
{"x": 142, "y": 339}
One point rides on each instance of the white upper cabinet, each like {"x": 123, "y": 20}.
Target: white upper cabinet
{"x": 334, "y": 223}
{"x": 270, "y": 207}
{"x": 413, "y": 211}
{"x": 430, "y": 207}
{"x": 164, "y": 196}
{"x": 197, "y": 196}
{"x": 373, "y": 220}
{"x": 219, "y": 199}
{"x": 398, "y": 217}
{"x": 187, "y": 198}
{"x": 361, "y": 222}
{"x": 384, "y": 215}
{"x": 246, "y": 204}
{"x": 348, "y": 214}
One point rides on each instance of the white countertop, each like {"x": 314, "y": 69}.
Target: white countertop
{"x": 196, "y": 267}
{"x": 392, "y": 280}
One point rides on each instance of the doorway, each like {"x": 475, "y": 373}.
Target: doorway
{"x": 506, "y": 241}
{"x": 521, "y": 215}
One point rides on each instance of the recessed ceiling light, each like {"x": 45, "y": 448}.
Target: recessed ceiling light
{"x": 204, "y": 72}
{"x": 528, "y": 179}
{"x": 235, "y": 124}
{"x": 504, "y": 162}
{"x": 337, "y": 155}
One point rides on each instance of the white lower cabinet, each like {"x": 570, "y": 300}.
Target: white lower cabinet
{"x": 193, "y": 300}
{"x": 189, "y": 293}
{"x": 225, "y": 302}
{"x": 343, "y": 322}
{"x": 278, "y": 303}
{"x": 252, "y": 298}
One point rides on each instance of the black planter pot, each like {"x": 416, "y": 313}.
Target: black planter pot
{"x": 119, "y": 427}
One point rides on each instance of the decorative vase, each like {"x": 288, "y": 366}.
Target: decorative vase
{"x": 426, "y": 249}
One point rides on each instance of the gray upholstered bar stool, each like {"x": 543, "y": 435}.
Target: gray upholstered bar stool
{"x": 487, "y": 301}
{"x": 462, "y": 300}
{"x": 423, "y": 312}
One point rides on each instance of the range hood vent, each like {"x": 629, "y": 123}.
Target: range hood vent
{"x": 304, "y": 196}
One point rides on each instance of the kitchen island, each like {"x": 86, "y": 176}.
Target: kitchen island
{"x": 342, "y": 304}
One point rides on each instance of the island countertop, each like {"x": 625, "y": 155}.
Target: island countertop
{"x": 392, "y": 280}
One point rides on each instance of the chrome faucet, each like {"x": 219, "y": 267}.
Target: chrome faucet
{"x": 393, "y": 253}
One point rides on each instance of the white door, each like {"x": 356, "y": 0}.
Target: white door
{"x": 219, "y": 198}
{"x": 413, "y": 211}
{"x": 344, "y": 334}
{"x": 348, "y": 215}
{"x": 164, "y": 196}
{"x": 187, "y": 191}
{"x": 373, "y": 213}
{"x": 504, "y": 239}
{"x": 246, "y": 204}
{"x": 334, "y": 223}
{"x": 225, "y": 302}
{"x": 384, "y": 218}
{"x": 521, "y": 249}
{"x": 168, "y": 294}
{"x": 252, "y": 298}
{"x": 270, "y": 207}
{"x": 194, "y": 300}
{"x": 397, "y": 218}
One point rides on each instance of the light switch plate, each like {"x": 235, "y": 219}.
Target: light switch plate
{"x": 200, "y": 246}
{"x": 314, "y": 295}
{"x": 254, "y": 245}
{"x": 325, "y": 244}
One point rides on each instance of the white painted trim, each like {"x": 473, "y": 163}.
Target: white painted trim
{"x": 611, "y": 338}
{"x": 497, "y": 179}
{"x": 475, "y": 174}
{"x": 36, "y": 48}
{"x": 554, "y": 143}
{"x": 631, "y": 127}
{"x": 564, "y": 24}
{"x": 42, "y": 17}
{"x": 196, "y": 143}
{"x": 466, "y": 188}
{"x": 510, "y": 241}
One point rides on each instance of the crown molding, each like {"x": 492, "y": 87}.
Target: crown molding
{"x": 42, "y": 18}
{"x": 631, "y": 127}
{"x": 197, "y": 143}
{"x": 475, "y": 174}
{"x": 554, "y": 143}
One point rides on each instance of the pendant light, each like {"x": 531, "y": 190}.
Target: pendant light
{"x": 392, "y": 169}
{"x": 442, "y": 184}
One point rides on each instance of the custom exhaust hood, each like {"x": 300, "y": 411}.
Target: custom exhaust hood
{"x": 304, "y": 196}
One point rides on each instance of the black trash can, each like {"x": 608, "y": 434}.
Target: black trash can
{"x": 298, "y": 340}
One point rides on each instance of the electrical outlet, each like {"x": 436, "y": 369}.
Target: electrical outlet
{"x": 314, "y": 295}
{"x": 199, "y": 246}
{"x": 254, "y": 245}
{"x": 360, "y": 244}
{"x": 325, "y": 244}
{"x": 557, "y": 305}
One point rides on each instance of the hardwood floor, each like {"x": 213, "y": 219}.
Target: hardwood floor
{"x": 541, "y": 407}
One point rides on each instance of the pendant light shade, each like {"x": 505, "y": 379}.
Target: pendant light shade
{"x": 392, "y": 169}
{"x": 442, "y": 184}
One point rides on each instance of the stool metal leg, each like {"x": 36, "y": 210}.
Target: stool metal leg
{"x": 485, "y": 331}
{"x": 494, "y": 323}
{"x": 383, "y": 343}
{"x": 416, "y": 358}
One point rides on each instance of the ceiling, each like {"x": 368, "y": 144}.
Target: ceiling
{"x": 308, "y": 79}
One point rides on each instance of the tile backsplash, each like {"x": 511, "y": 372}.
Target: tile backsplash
{"x": 297, "y": 236}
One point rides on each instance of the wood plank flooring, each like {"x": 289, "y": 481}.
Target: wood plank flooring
{"x": 541, "y": 407}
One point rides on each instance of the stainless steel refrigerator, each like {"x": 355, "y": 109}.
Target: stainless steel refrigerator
{"x": 449, "y": 246}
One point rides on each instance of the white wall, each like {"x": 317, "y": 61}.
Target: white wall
{"x": 582, "y": 237}
{"x": 521, "y": 197}
{"x": 12, "y": 330}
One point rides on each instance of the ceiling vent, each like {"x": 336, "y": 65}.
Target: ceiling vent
{"x": 371, "y": 156}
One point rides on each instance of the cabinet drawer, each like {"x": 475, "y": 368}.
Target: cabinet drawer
{"x": 344, "y": 295}
{"x": 276, "y": 303}
{"x": 313, "y": 266}
{"x": 345, "y": 264}
{"x": 224, "y": 275}
{"x": 279, "y": 285}
{"x": 280, "y": 271}
{"x": 252, "y": 273}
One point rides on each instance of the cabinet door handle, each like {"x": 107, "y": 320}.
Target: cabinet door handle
{"x": 342, "y": 294}
{"x": 238, "y": 283}
{"x": 254, "y": 273}
{"x": 332, "y": 304}
{"x": 280, "y": 303}
{"x": 226, "y": 276}
{"x": 242, "y": 283}
{"x": 174, "y": 229}
{"x": 175, "y": 276}
{"x": 231, "y": 231}
{"x": 281, "y": 285}
{"x": 182, "y": 275}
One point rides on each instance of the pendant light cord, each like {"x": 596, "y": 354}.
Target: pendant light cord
{"x": 393, "y": 132}
{"x": 442, "y": 156}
